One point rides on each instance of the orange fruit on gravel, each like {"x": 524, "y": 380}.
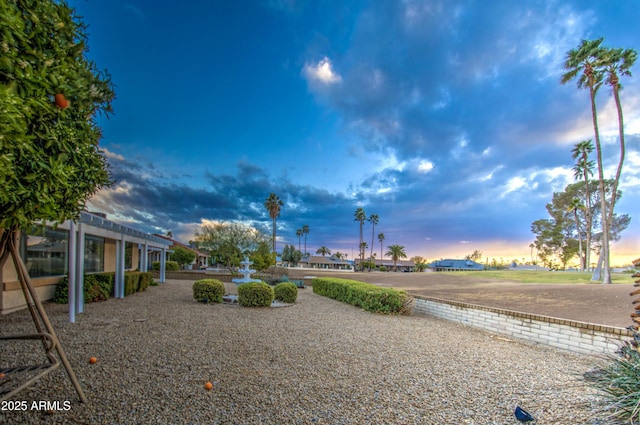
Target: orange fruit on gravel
{"x": 2, "y": 375}
{"x": 92, "y": 360}
{"x": 208, "y": 385}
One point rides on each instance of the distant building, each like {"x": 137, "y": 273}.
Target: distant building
{"x": 401, "y": 265}
{"x": 455, "y": 265}
{"x": 326, "y": 263}
{"x": 201, "y": 260}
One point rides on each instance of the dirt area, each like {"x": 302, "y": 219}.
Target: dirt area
{"x": 593, "y": 303}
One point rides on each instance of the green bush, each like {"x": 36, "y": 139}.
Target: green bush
{"x": 364, "y": 295}
{"x": 170, "y": 266}
{"x": 208, "y": 290}
{"x": 255, "y": 294}
{"x": 146, "y": 280}
{"x": 131, "y": 282}
{"x": 94, "y": 289}
{"x": 286, "y": 292}
{"x": 619, "y": 382}
{"x": 105, "y": 280}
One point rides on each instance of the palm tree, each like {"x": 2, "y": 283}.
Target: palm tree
{"x": 396, "y": 252}
{"x": 323, "y": 250}
{"x": 574, "y": 206}
{"x": 360, "y": 216}
{"x": 583, "y": 64}
{"x": 532, "y": 246}
{"x": 305, "y": 232}
{"x": 617, "y": 63}
{"x": 373, "y": 219}
{"x": 363, "y": 249}
{"x": 273, "y": 204}
{"x": 584, "y": 169}
{"x": 299, "y": 235}
{"x": 381, "y": 239}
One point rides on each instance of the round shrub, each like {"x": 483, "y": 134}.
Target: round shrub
{"x": 286, "y": 292}
{"x": 208, "y": 290}
{"x": 170, "y": 266}
{"x": 255, "y": 294}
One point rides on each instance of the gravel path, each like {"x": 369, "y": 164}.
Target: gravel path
{"x": 316, "y": 362}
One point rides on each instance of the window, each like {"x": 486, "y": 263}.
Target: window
{"x": 45, "y": 251}
{"x": 93, "y": 254}
{"x": 128, "y": 255}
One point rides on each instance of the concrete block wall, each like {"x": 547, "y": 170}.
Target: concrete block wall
{"x": 568, "y": 335}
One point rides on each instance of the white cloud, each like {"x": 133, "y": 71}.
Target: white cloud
{"x": 425, "y": 166}
{"x": 321, "y": 72}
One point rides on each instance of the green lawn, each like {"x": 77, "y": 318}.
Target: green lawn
{"x": 525, "y": 276}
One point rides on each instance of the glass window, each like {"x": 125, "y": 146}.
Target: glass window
{"x": 93, "y": 254}
{"x": 128, "y": 255}
{"x": 45, "y": 251}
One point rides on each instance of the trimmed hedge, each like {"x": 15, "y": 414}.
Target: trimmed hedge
{"x": 100, "y": 286}
{"x": 364, "y": 295}
{"x": 208, "y": 290}
{"x": 286, "y": 292}
{"x": 171, "y": 266}
{"x": 255, "y": 294}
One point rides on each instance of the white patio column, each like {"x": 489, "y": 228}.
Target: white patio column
{"x": 118, "y": 277}
{"x": 163, "y": 263}
{"x": 80, "y": 269}
{"x": 121, "y": 255}
{"x": 145, "y": 257}
{"x": 71, "y": 267}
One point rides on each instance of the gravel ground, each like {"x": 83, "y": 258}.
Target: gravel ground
{"x": 316, "y": 362}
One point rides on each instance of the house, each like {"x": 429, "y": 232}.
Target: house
{"x": 326, "y": 263}
{"x": 455, "y": 265}
{"x": 401, "y": 265}
{"x": 200, "y": 262}
{"x": 93, "y": 244}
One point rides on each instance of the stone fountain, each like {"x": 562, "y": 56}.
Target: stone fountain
{"x": 246, "y": 272}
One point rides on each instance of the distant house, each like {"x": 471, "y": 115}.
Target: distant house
{"x": 455, "y": 265}
{"x": 327, "y": 263}
{"x": 201, "y": 260}
{"x": 402, "y": 265}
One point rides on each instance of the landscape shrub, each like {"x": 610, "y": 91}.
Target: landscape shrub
{"x": 131, "y": 282}
{"x": 286, "y": 292}
{"x": 105, "y": 280}
{"x": 255, "y": 294}
{"x": 208, "y": 290}
{"x": 170, "y": 266}
{"x": 146, "y": 279}
{"x": 94, "y": 289}
{"x": 364, "y": 295}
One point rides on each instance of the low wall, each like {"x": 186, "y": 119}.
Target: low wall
{"x": 568, "y": 335}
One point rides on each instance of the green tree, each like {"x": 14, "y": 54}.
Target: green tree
{"x": 50, "y": 162}
{"x": 474, "y": 256}
{"x": 582, "y": 63}
{"x": 262, "y": 257}
{"x": 373, "y": 219}
{"x": 420, "y": 262}
{"x": 360, "y": 216}
{"x": 396, "y": 252}
{"x": 305, "y": 232}
{"x": 182, "y": 256}
{"x": 273, "y": 204}
{"x": 323, "y": 250}
{"x": 381, "y": 239}
{"x": 576, "y": 204}
{"x": 299, "y": 235}
{"x": 228, "y": 242}
{"x": 583, "y": 169}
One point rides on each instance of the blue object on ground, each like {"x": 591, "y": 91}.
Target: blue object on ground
{"x": 522, "y": 415}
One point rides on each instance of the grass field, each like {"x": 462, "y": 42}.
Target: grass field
{"x": 527, "y": 276}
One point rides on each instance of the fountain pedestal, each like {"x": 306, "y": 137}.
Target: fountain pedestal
{"x": 246, "y": 272}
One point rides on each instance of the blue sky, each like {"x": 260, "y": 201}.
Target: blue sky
{"x": 446, "y": 118}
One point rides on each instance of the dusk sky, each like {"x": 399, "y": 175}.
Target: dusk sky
{"x": 445, "y": 118}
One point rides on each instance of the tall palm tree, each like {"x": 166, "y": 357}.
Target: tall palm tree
{"x": 305, "y": 232}
{"x": 373, "y": 219}
{"x": 299, "y": 235}
{"x": 323, "y": 250}
{"x": 273, "y": 204}
{"x": 584, "y": 169}
{"x": 381, "y": 239}
{"x": 583, "y": 64}
{"x": 396, "y": 252}
{"x": 574, "y": 206}
{"x": 617, "y": 63}
{"x": 360, "y": 216}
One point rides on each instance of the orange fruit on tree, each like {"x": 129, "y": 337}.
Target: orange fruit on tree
{"x": 93, "y": 360}
{"x": 61, "y": 101}
{"x": 208, "y": 385}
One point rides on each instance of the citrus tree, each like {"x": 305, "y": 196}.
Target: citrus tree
{"x": 50, "y": 95}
